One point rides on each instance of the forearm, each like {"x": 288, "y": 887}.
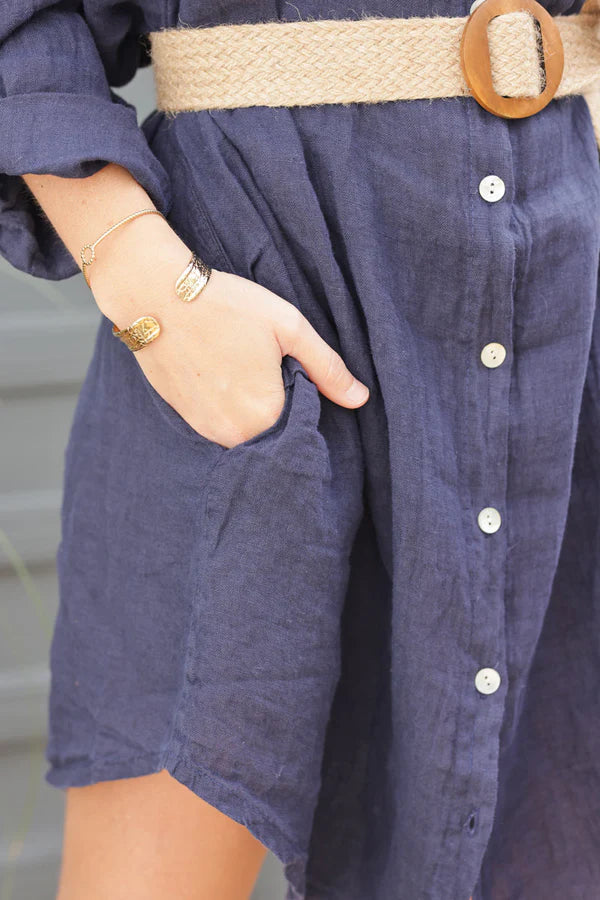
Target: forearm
{"x": 140, "y": 251}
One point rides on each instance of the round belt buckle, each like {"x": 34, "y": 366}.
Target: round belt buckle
{"x": 476, "y": 66}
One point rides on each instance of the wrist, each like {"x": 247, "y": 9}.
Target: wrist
{"x": 138, "y": 269}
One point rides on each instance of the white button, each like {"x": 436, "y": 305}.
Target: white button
{"x": 474, "y": 5}
{"x": 489, "y": 520}
{"x": 487, "y": 681}
{"x": 492, "y": 188}
{"x": 493, "y": 355}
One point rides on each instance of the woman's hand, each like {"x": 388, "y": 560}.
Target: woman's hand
{"x": 217, "y": 360}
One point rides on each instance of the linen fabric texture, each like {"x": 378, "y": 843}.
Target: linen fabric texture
{"x": 293, "y": 626}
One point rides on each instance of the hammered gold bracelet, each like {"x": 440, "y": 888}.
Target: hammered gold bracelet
{"x": 139, "y": 333}
{"x": 187, "y": 286}
{"x": 193, "y": 279}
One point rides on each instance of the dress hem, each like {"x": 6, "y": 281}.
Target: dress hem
{"x": 234, "y": 804}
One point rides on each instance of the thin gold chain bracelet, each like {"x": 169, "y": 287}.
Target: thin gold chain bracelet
{"x": 88, "y": 251}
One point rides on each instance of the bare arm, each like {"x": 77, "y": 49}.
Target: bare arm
{"x": 195, "y": 362}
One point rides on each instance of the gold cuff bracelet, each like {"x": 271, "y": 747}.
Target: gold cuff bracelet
{"x": 146, "y": 329}
{"x": 139, "y": 333}
{"x": 193, "y": 279}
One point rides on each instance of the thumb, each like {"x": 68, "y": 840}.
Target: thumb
{"x": 322, "y": 363}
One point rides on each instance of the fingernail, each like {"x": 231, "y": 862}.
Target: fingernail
{"x": 357, "y": 392}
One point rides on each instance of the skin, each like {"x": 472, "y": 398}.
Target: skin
{"x": 151, "y": 837}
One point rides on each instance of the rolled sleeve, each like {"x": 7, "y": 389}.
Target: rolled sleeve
{"x": 58, "y": 115}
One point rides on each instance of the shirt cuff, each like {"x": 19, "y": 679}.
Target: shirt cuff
{"x": 73, "y": 136}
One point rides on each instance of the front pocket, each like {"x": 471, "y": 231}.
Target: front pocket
{"x": 184, "y": 429}
{"x": 271, "y": 568}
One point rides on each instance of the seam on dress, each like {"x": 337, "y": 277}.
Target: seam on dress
{"x": 201, "y": 527}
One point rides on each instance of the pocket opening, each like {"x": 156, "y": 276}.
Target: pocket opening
{"x": 183, "y": 428}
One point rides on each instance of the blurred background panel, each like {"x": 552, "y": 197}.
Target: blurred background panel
{"x": 47, "y": 331}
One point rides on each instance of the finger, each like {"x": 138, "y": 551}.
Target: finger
{"x": 323, "y": 365}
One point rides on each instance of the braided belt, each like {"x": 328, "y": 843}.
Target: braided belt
{"x": 528, "y": 58}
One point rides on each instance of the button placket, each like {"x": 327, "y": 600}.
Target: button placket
{"x": 492, "y": 189}
{"x": 490, "y": 296}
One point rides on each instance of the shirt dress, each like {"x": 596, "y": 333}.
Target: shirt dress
{"x": 372, "y": 636}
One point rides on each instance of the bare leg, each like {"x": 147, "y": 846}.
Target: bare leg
{"x": 151, "y": 838}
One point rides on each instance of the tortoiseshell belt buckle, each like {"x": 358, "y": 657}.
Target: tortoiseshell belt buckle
{"x": 476, "y": 66}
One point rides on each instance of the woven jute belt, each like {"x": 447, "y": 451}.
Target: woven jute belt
{"x": 512, "y": 56}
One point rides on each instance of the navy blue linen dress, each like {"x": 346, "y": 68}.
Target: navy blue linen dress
{"x": 372, "y": 636}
